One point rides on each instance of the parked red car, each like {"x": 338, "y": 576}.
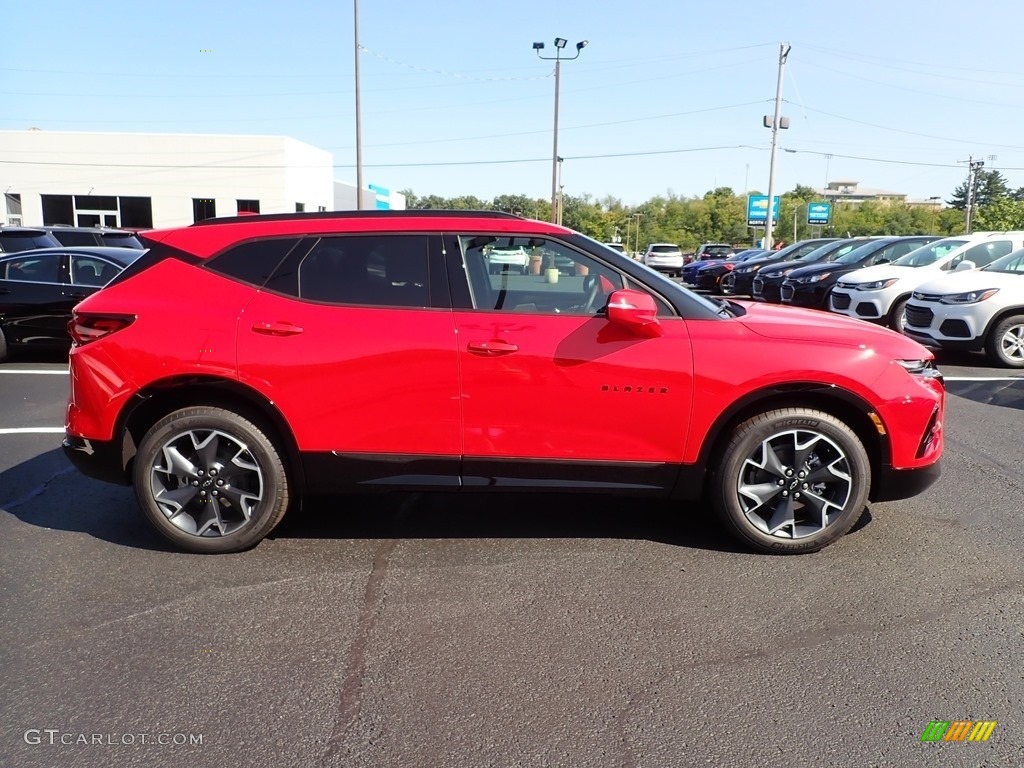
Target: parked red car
{"x": 241, "y": 363}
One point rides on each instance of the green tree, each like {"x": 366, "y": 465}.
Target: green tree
{"x": 989, "y": 185}
{"x": 1001, "y": 214}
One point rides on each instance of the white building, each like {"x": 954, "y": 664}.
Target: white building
{"x": 143, "y": 180}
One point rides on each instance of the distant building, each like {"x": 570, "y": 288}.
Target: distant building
{"x": 145, "y": 180}
{"x": 846, "y": 191}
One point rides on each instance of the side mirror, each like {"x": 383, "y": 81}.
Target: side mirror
{"x": 636, "y": 312}
{"x": 964, "y": 265}
{"x": 883, "y": 261}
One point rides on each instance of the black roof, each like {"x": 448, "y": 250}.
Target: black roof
{"x": 415, "y": 213}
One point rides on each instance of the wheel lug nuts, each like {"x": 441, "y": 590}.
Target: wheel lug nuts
{"x": 202, "y": 493}
{"x": 215, "y": 493}
{"x": 796, "y": 495}
{"x": 220, "y": 482}
{"x": 789, "y": 473}
{"x": 782, "y": 482}
{"x": 195, "y": 482}
{"x": 804, "y": 486}
{"x": 785, "y": 493}
{"x": 200, "y": 473}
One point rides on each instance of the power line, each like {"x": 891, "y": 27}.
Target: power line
{"x": 960, "y": 140}
{"x": 861, "y": 58}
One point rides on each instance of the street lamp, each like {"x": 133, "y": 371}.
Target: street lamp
{"x": 560, "y": 43}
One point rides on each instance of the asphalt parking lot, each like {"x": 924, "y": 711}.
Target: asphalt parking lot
{"x": 434, "y": 630}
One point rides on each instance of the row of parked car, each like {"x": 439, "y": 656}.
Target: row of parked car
{"x": 46, "y": 271}
{"x": 961, "y": 293}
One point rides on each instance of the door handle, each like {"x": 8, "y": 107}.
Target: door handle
{"x": 76, "y": 295}
{"x": 277, "y": 329}
{"x": 491, "y": 348}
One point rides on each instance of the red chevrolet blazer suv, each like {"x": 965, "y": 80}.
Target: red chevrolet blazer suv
{"x": 241, "y": 363}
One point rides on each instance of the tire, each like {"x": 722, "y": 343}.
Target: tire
{"x": 3, "y": 347}
{"x": 778, "y": 519}
{"x": 214, "y": 515}
{"x": 897, "y": 315}
{"x": 1005, "y": 342}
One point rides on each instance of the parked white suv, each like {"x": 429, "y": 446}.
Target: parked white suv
{"x": 982, "y": 309}
{"x": 880, "y": 293}
{"x": 665, "y": 257}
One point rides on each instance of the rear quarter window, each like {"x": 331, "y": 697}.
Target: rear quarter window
{"x": 253, "y": 262}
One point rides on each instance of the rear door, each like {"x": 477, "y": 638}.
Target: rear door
{"x": 353, "y": 339}
{"x": 553, "y": 395}
{"x": 34, "y": 307}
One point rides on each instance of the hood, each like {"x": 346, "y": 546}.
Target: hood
{"x": 969, "y": 280}
{"x": 880, "y": 272}
{"x": 782, "y": 266}
{"x": 781, "y": 322}
{"x": 817, "y": 269}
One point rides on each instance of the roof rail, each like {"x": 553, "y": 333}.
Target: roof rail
{"x": 417, "y": 213}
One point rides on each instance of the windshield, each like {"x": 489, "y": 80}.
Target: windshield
{"x": 929, "y": 254}
{"x": 1010, "y": 264}
{"x": 857, "y": 255}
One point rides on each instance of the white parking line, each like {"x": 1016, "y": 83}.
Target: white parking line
{"x": 983, "y": 378}
{"x": 63, "y": 372}
{"x": 32, "y": 431}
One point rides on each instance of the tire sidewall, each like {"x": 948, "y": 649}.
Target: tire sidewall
{"x": 996, "y": 341}
{"x": 748, "y": 437}
{"x": 267, "y": 513}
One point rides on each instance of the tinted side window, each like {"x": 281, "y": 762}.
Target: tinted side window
{"x": 88, "y": 270}
{"x": 34, "y": 269}
{"x": 253, "y": 262}
{"x": 74, "y": 238}
{"x": 986, "y": 253}
{"x": 371, "y": 270}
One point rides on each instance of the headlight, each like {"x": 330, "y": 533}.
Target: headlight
{"x": 786, "y": 272}
{"x": 875, "y": 286}
{"x": 748, "y": 270}
{"x": 924, "y": 368}
{"x": 971, "y": 297}
{"x": 816, "y": 278}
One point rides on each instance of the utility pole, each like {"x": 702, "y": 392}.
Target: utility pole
{"x": 973, "y": 166}
{"x": 359, "y": 119}
{"x": 776, "y": 123}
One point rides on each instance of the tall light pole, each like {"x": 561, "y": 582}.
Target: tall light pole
{"x": 778, "y": 122}
{"x": 560, "y": 43}
{"x": 359, "y": 116}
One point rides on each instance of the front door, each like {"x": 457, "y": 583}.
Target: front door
{"x": 555, "y": 396}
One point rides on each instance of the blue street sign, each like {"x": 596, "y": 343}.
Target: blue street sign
{"x": 757, "y": 210}
{"x": 819, "y": 213}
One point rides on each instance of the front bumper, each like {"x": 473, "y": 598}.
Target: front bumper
{"x": 956, "y": 326}
{"x": 896, "y": 484}
{"x": 810, "y": 295}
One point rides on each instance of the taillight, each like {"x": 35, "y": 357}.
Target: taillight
{"x": 85, "y": 327}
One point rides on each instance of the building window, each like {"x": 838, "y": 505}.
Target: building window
{"x": 300, "y": 207}
{"x": 203, "y": 208}
{"x": 321, "y": 208}
{"x": 58, "y": 209}
{"x": 13, "y": 209}
{"x": 136, "y": 212}
{"x": 248, "y": 206}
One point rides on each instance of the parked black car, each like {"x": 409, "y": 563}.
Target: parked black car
{"x": 117, "y": 238}
{"x": 14, "y": 239}
{"x": 740, "y": 282}
{"x": 768, "y": 281}
{"x": 810, "y": 286}
{"x": 39, "y": 288}
{"x": 691, "y": 270}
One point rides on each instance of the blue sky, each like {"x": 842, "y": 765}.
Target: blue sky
{"x": 895, "y": 92}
